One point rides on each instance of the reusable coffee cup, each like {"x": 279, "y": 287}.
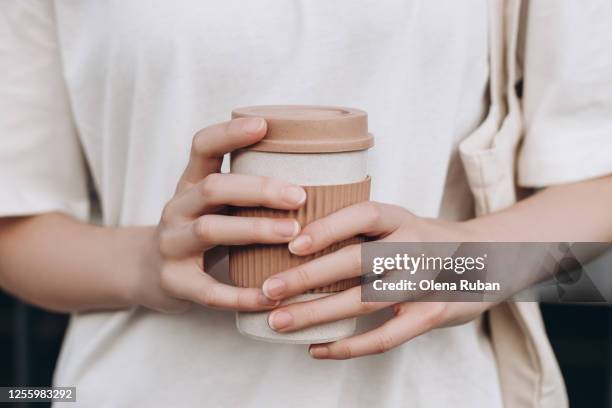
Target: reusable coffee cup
{"x": 323, "y": 149}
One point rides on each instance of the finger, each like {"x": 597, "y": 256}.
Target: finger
{"x": 211, "y": 230}
{"x": 368, "y": 218}
{"x": 411, "y": 320}
{"x": 211, "y": 143}
{"x": 185, "y": 280}
{"x": 217, "y": 190}
{"x": 331, "y": 308}
{"x": 342, "y": 264}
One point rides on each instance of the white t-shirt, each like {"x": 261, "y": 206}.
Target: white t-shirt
{"x": 125, "y": 85}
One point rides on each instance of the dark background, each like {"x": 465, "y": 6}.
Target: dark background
{"x": 30, "y": 340}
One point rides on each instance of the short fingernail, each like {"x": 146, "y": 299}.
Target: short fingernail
{"x": 264, "y": 301}
{"x": 319, "y": 351}
{"x": 300, "y": 244}
{"x": 273, "y": 287}
{"x": 279, "y": 320}
{"x": 294, "y": 195}
{"x": 253, "y": 125}
{"x": 286, "y": 228}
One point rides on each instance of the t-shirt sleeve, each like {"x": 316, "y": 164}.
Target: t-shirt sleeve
{"x": 41, "y": 163}
{"x": 567, "y": 97}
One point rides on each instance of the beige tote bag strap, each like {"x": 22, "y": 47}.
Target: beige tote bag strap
{"x": 528, "y": 371}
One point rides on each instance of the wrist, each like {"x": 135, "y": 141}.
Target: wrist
{"x": 475, "y": 230}
{"x": 437, "y": 230}
{"x": 133, "y": 252}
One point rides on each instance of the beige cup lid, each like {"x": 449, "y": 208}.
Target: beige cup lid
{"x": 310, "y": 129}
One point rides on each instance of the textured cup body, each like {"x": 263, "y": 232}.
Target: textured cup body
{"x": 323, "y": 149}
{"x": 251, "y": 265}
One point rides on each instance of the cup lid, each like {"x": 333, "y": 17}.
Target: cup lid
{"x": 310, "y": 129}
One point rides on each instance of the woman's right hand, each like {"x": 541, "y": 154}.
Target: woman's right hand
{"x": 171, "y": 277}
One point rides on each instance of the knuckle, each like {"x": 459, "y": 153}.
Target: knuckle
{"x": 367, "y": 307}
{"x": 164, "y": 244}
{"x": 241, "y": 300}
{"x": 311, "y": 316}
{"x": 202, "y": 229}
{"x": 197, "y": 141}
{"x": 353, "y": 257}
{"x": 208, "y": 295}
{"x": 211, "y": 184}
{"x": 167, "y": 213}
{"x": 345, "y": 351}
{"x": 372, "y": 213}
{"x": 267, "y": 189}
{"x": 258, "y": 228}
{"x": 303, "y": 277}
{"x": 324, "y": 230}
{"x": 384, "y": 342}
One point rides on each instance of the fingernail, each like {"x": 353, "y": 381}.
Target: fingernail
{"x": 286, "y": 228}
{"x": 264, "y": 301}
{"x": 319, "y": 351}
{"x": 300, "y": 244}
{"x": 273, "y": 287}
{"x": 279, "y": 320}
{"x": 253, "y": 125}
{"x": 294, "y": 195}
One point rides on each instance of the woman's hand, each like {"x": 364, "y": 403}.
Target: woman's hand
{"x": 386, "y": 223}
{"x": 172, "y": 275}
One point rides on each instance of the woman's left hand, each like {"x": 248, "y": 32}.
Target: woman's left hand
{"x": 383, "y": 222}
